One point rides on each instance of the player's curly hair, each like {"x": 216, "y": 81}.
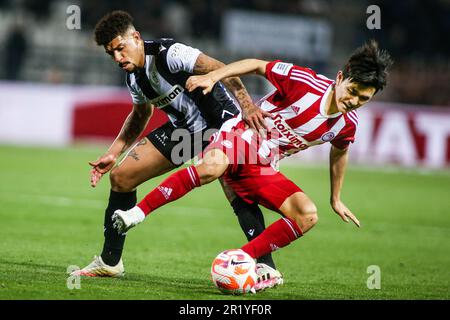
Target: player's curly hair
{"x": 368, "y": 65}
{"x": 112, "y": 25}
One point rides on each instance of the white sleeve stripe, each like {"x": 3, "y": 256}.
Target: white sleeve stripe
{"x": 309, "y": 79}
{"x": 310, "y": 75}
{"x": 292, "y": 228}
{"x": 192, "y": 175}
{"x": 321, "y": 76}
{"x": 351, "y": 115}
{"x": 355, "y": 114}
{"x": 352, "y": 120}
{"x": 308, "y": 83}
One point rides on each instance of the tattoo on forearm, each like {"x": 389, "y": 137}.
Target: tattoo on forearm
{"x": 201, "y": 69}
{"x": 235, "y": 82}
{"x": 205, "y": 64}
{"x": 132, "y": 128}
{"x": 236, "y": 86}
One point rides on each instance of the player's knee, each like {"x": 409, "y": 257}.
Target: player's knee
{"x": 312, "y": 219}
{"x": 208, "y": 172}
{"x": 119, "y": 182}
{"x": 306, "y": 217}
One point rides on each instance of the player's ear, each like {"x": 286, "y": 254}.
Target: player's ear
{"x": 136, "y": 35}
{"x": 339, "y": 77}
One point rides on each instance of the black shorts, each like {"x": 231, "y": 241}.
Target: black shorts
{"x": 179, "y": 146}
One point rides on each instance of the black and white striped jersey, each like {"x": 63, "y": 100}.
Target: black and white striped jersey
{"x": 168, "y": 64}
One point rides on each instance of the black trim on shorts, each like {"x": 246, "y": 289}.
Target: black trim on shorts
{"x": 161, "y": 139}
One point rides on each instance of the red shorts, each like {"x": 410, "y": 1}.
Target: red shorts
{"x": 249, "y": 175}
{"x": 260, "y": 184}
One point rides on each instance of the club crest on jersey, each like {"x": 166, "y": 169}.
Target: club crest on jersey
{"x": 154, "y": 77}
{"x": 327, "y": 136}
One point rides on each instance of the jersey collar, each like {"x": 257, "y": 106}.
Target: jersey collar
{"x": 323, "y": 101}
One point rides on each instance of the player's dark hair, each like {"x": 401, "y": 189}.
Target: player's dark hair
{"x": 368, "y": 66}
{"x": 112, "y": 25}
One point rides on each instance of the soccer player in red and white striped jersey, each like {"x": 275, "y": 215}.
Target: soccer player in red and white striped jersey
{"x": 299, "y": 116}
{"x": 306, "y": 109}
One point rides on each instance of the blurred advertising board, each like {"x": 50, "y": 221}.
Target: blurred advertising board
{"x": 388, "y": 133}
{"x": 255, "y": 34}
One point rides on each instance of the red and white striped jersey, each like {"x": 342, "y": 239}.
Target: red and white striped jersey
{"x": 298, "y": 106}
{"x": 299, "y": 119}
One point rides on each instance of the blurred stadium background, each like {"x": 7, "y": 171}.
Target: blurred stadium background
{"x": 51, "y": 74}
{"x": 62, "y": 101}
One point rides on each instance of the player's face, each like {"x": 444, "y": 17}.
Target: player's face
{"x": 351, "y": 95}
{"x": 127, "y": 51}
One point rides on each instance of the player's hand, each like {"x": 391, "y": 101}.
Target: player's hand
{"x": 202, "y": 81}
{"x": 254, "y": 117}
{"x": 101, "y": 166}
{"x": 342, "y": 210}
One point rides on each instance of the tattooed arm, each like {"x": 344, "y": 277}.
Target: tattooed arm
{"x": 132, "y": 128}
{"x": 253, "y": 115}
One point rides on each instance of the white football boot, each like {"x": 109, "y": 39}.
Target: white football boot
{"x": 97, "y": 268}
{"x": 268, "y": 277}
{"x": 125, "y": 220}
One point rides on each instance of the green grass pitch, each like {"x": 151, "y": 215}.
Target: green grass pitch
{"x": 51, "y": 218}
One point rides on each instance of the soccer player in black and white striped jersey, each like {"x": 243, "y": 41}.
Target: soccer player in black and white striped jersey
{"x": 156, "y": 74}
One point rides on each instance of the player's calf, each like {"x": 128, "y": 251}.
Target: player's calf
{"x": 120, "y": 182}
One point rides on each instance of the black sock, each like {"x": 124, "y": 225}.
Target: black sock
{"x": 114, "y": 242}
{"x": 251, "y": 220}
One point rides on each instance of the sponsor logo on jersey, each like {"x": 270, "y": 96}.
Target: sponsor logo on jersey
{"x": 168, "y": 97}
{"x": 287, "y": 132}
{"x": 327, "y": 136}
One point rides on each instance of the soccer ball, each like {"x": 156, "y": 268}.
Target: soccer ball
{"x": 234, "y": 272}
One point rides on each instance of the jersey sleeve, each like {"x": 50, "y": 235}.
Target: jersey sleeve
{"x": 136, "y": 93}
{"x": 181, "y": 57}
{"x": 277, "y": 72}
{"x": 347, "y": 136}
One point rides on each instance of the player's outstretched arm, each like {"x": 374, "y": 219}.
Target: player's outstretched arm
{"x": 338, "y": 164}
{"x": 234, "y": 69}
{"x": 253, "y": 115}
{"x": 133, "y": 126}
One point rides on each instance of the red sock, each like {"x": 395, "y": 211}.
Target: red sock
{"x": 279, "y": 234}
{"x": 174, "y": 187}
